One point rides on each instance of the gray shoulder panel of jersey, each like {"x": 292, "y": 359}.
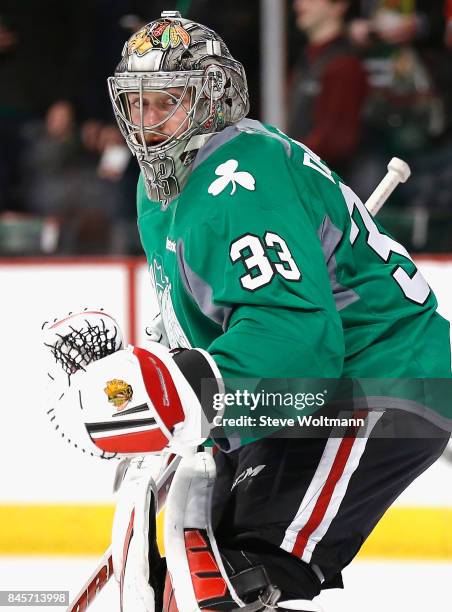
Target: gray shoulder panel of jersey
{"x": 387, "y": 403}
{"x": 330, "y": 236}
{"x": 250, "y": 126}
{"x": 201, "y": 291}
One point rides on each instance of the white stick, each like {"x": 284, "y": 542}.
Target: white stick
{"x": 398, "y": 172}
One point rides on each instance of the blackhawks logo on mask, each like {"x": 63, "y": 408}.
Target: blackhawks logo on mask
{"x": 119, "y": 393}
{"x": 140, "y": 43}
{"x": 162, "y": 34}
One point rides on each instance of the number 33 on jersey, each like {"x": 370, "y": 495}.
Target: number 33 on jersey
{"x": 253, "y": 251}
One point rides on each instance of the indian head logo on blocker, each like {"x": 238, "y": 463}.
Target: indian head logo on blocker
{"x": 119, "y": 393}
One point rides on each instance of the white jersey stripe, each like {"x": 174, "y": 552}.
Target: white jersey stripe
{"x": 318, "y": 484}
{"x": 312, "y": 494}
{"x": 354, "y": 458}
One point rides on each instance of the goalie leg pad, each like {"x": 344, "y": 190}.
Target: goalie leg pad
{"x": 198, "y": 578}
{"x": 136, "y": 561}
{"x": 189, "y": 542}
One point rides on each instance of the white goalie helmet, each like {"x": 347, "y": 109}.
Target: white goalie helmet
{"x": 199, "y": 89}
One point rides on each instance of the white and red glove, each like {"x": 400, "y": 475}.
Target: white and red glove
{"x": 132, "y": 401}
{"x": 72, "y": 342}
{"x": 141, "y": 401}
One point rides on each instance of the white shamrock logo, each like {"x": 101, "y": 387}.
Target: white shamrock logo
{"x": 227, "y": 173}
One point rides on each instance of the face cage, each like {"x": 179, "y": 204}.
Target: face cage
{"x": 134, "y": 133}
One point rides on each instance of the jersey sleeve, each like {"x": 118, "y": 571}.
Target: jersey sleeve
{"x": 256, "y": 258}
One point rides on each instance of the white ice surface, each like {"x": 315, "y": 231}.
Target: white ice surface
{"x": 370, "y": 586}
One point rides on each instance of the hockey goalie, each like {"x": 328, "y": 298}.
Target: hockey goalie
{"x": 265, "y": 266}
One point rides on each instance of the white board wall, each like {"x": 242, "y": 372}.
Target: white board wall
{"x": 38, "y": 466}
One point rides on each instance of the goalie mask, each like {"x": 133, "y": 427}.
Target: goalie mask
{"x": 175, "y": 86}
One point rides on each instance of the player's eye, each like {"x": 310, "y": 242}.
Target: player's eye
{"x": 168, "y": 101}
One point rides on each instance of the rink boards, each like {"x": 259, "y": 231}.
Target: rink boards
{"x": 53, "y": 499}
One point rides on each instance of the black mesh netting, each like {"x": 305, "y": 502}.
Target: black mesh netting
{"x": 77, "y": 349}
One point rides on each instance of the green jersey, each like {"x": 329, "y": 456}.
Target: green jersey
{"x": 276, "y": 268}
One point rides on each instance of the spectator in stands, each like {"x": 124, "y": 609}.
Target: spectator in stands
{"x": 402, "y": 46}
{"x": 55, "y": 116}
{"x": 330, "y": 85}
{"x": 401, "y": 42}
{"x": 36, "y": 70}
{"x": 397, "y": 22}
{"x": 448, "y": 30}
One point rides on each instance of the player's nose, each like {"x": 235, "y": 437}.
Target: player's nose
{"x": 153, "y": 115}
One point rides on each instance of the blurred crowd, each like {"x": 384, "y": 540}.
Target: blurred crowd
{"x": 366, "y": 80}
{"x": 372, "y": 82}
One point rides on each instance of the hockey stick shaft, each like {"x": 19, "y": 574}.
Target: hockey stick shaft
{"x": 398, "y": 172}
{"x": 104, "y": 569}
